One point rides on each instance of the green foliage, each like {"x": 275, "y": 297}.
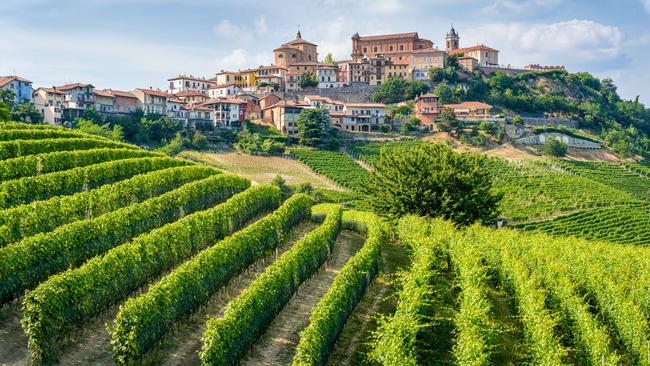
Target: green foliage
{"x": 25, "y": 264}
{"x": 89, "y": 127}
{"x": 449, "y": 122}
{"x": 518, "y": 121}
{"x": 401, "y": 338}
{"x": 313, "y": 128}
{"x": 329, "y": 59}
{"x": 245, "y": 319}
{"x": 38, "y": 134}
{"x": 16, "y": 148}
{"x": 31, "y": 165}
{"x": 199, "y": 141}
{"x": 337, "y": 166}
{"x": 254, "y": 144}
{"x": 554, "y": 147}
{"x": 419, "y": 180}
{"x": 158, "y": 128}
{"x": 395, "y": 90}
{"x": 308, "y": 79}
{"x": 28, "y": 189}
{"x": 282, "y": 185}
{"x": 81, "y": 293}
{"x": 138, "y": 325}
{"x": 175, "y": 145}
{"x": 44, "y": 216}
{"x": 330, "y": 314}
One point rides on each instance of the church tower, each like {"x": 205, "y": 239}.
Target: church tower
{"x": 452, "y": 40}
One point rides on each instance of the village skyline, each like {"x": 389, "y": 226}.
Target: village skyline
{"x": 154, "y": 40}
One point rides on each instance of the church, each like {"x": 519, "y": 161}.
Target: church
{"x": 296, "y": 51}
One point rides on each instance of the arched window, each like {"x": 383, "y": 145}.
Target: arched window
{"x": 280, "y": 56}
{"x": 390, "y": 48}
{"x": 365, "y": 50}
{"x": 375, "y": 49}
{"x": 309, "y": 57}
{"x": 401, "y": 47}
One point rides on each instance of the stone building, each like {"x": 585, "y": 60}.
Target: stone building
{"x": 391, "y": 46}
{"x": 298, "y": 50}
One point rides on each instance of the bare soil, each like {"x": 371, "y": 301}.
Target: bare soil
{"x": 13, "y": 341}
{"x": 277, "y": 345}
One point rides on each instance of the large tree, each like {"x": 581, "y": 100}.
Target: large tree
{"x": 313, "y": 127}
{"x": 433, "y": 180}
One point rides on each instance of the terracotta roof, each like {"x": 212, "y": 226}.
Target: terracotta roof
{"x": 271, "y": 67}
{"x": 184, "y": 77}
{"x": 72, "y": 86}
{"x": 389, "y": 36}
{"x": 188, "y": 93}
{"x": 4, "y": 80}
{"x": 427, "y": 95}
{"x": 50, "y": 90}
{"x": 467, "y": 105}
{"x": 223, "y": 86}
{"x": 223, "y": 101}
{"x": 175, "y": 99}
{"x": 287, "y": 103}
{"x": 426, "y": 50}
{"x": 268, "y": 95}
{"x": 120, "y": 93}
{"x": 156, "y": 93}
{"x": 378, "y": 105}
{"x": 481, "y": 47}
{"x": 103, "y": 93}
{"x": 298, "y": 40}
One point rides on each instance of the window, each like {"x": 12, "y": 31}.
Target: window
{"x": 365, "y": 50}
{"x": 390, "y": 48}
{"x": 375, "y": 49}
{"x": 280, "y": 55}
{"x": 401, "y": 47}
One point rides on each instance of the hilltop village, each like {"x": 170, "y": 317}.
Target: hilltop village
{"x": 298, "y": 79}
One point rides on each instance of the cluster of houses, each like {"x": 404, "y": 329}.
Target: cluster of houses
{"x": 273, "y": 93}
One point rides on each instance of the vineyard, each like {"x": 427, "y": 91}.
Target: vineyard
{"x": 110, "y": 254}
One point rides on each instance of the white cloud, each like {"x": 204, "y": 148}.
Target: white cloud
{"x": 241, "y": 59}
{"x": 370, "y": 6}
{"x": 568, "y": 41}
{"x": 226, "y": 29}
{"x": 522, "y": 6}
{"x": 646, "y": 4}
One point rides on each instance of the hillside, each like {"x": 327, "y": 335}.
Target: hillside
{"x": 190, "y": 265}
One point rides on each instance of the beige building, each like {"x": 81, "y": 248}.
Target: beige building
{"x": 104, "y": 101}
{"x": 151, "y": 101}
{"x": 283, "y": 115}
{"x": 228, "y": 77}
{"x": 470, "y": 111}
{"x": 125, "y": 102}
{"x": 49, "y": 101}
{"x": 484, "y": 55}
{"x": 183, "y": 83}
{"x": 424, "y": 60}
{"x": 298, "y": 50}
{"x": 359, "y": 117}
{"x": 392, "y": 46}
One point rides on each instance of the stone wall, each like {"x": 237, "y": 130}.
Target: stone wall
{"x": 349, "y": 94}
{"x": 569, "y": 140}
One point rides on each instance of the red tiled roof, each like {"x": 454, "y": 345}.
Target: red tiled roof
{"x": 156, "y": 93}
{"x": 478, "y": 47}
{"x": 4, "y": 80}
{"x": 50, "y": 90}
{"x": 194, "y": 78}
{"x": 188, "y": 93}
{"x": 120, "y": 93}
{"x": 372, "y": 105}
{"x": 389, "y": 36}
{"x": 287, "y": 103}
{"x": 427, "y": 95}
{"x": 467, "y": 105}
{"x": 103, "y": 93}
{"x": 72, "y": 86}
{"x": 175, "y": 99}
{"x": 223, "y": 101}
{"x": 222, "y": 86}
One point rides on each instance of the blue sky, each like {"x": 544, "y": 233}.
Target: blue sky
{"x": 140, "y": 43}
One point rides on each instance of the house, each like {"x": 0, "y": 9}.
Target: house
{"x": 192, "y": 97}
{"x": 283, "y": 115}
{"x": 174, "y": 109}
{"x": 77, "y": 98}
{"x": 268, "y": 100}
{"x": 198, "y": 118}
{"x": 228, "y": 77}
{"x": 298, "y": 50}
{"x": 151, "y": 101}
{"x": 125, "y": 102}
{"x": 183, "y": 83}
{"x": 292, "y": 81}
{"x": 359, "y": 72}
{"x": 328, "y": 104}
{"x": 427, "y": 110}
{"x": 22, "y": 88}
{"x": 104, "y": 101}
{"x": 470, "y": 111}
{"x": 326, "y": 76}
{"x": 49, "y": 101}
{"x": 359, "y": 117}
{"x": 424, "y": 60}
{"x": 222, "y": 91}
{"x": 253, "y": 110}
{"x": 396, "y": 69}
{"x": 249, "y": 79}
{"x": 376, "y": 70}
{"x": 226, "y": 112}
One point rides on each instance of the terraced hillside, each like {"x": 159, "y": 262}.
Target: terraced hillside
{"x": 94, "y": 231}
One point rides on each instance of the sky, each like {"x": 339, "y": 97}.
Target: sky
{"x": 125, "y": 44}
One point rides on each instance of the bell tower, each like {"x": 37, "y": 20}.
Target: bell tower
{"x": 452, "y": 40}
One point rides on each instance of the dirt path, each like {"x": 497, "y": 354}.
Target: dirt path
{"x": 182, "y": 346}
{"x": 277, "y": 344}
{"x": 13, "y": 344}
{"x": 352, "y": 344}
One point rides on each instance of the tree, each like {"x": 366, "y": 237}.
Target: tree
{"x": 308, "y": 79}
{"x": 518, "y": 121}
{"x": 105, "y": 130}
{"x": 313, "y": 126}
{"x": 26, "y": 112}
{"x": 432, "y": 180}
{"x": 158, "y": 128}
{"x": 449, "y": 122}
{"x": 199, "y": 141}
{"x": 329, "y": 59}
{"x": 554, "y": 147}
{"x": 279, "y": 182}
{"x": 175, "y": 146}
{"x": 396, "y": 89}
{"x": 436, "y": 75}
{"x": 445, "y": 93}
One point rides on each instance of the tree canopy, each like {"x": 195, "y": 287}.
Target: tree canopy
{"x": 396, "y": 89}
{"x": 433, "y": 180}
